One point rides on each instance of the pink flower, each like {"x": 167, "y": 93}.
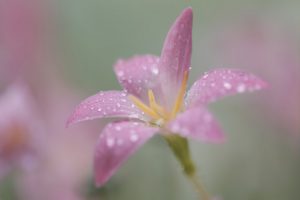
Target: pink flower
{"x": 20, "y": 131}
{"x": 154, "y": 100}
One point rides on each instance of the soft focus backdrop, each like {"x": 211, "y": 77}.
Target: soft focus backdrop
{"x": 55, "y": 53}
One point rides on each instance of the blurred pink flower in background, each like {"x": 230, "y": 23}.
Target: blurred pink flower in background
{"x": 21, "y": 132}
{"x": 170, "y": 112}
{"x": 66, "y": 165}
{"x": 267, "y": 49}
{"x": 32, "y": 133}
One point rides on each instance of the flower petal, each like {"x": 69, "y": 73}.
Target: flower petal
{"x": 116, "y": 143}
{"x": 197, "y": 123}
{"x": 176, "y": 54}
{"x": 138, "y": 74}
{"x": 105, "y": 104}
{"x": 220, "y": 83}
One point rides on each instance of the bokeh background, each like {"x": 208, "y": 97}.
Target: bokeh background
{"x": 54, "y": 53}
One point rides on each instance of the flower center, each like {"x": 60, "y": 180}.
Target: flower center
{"x": 158, "y": 114}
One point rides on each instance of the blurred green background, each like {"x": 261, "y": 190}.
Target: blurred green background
{"x": 260, "y": 159}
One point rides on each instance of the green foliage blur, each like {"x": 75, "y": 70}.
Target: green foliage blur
{"x": 260, "y": 159}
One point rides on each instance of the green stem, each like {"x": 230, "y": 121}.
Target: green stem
{"x": 180, "y": 148}
{"x": 203, "y": 194}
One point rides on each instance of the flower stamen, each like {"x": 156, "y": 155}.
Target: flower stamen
{"x": 179, "y": 100}
{"x": 143, "y": 107}
{"x": 156, "y": 111}
{"x": 154, "y": 105}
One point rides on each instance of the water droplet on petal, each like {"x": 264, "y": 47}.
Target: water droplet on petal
{"x": 134, "y": 137}
{"x": 110, "y": 142}
{"x": 120, "y": 73}
{"x": 155, "y": 71}
{"x": 241, "y": 88}
{"x": 118, "y": 128}
{"x": 227, "y": 85}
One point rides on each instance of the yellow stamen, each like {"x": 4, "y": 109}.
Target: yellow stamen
{"x": 151, "y": 97}
{"x": 179, "y": 100}
{"x": 146, "y": 109}
{"x": 154, "y": 105}
{"x": 158, "y": 113}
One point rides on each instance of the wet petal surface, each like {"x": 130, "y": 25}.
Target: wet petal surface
{"x": 176, "y": 54}
{"x": 105, "y": 104}
{"x": 138, "y": 74}
{"x": 197, "y": 123}
{"x": 220, "y": 83}
{"x": 116, "y": 143}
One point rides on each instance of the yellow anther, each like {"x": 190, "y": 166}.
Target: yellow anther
{"x": 151, "y": 97}
{"x": 179, "y": 100}
{"x": 154, "y": 105}
{"x": 146, "y": 109}
{"x": 158, "y": 113}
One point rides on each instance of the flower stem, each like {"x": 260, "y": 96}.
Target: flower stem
{"x": 203, "y": 194}
{"x": 180, "y": 148}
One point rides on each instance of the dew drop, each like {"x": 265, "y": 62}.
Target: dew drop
{"x": 155, "y": 71}
{"x": 110, "y": 142}
{"x": 205, "y": 76}
{"x": 227, "y": 85}
{"x": 134, "y": 137}
{"x": 241, "y": 88}
{"x": 120, "y": 73}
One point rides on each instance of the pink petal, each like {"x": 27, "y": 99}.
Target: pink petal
{"x": 222, "y": 82}
{"x": 176, "y": 54}
{"x": 116, "y": 143}
{"x": 138, "y": 74}
{"x": 105, "y": 104}
{"x": 197, "y": 123}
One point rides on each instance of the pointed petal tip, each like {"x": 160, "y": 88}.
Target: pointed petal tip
{"x": 260, "y": 84}
{"x": 69, "y": 121}
{"x": 188, "y": 10}
{"x": 221, "y": 139}
{"x": 72, "y": 119}
{"x": 186, "y": 14}
{"x": 117, "y": 142}
{"x": 223, "y": 82}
